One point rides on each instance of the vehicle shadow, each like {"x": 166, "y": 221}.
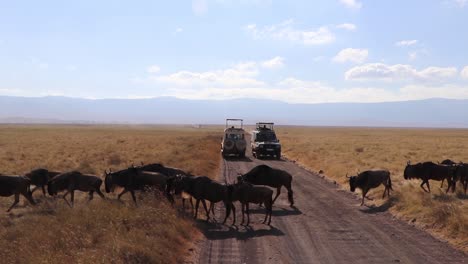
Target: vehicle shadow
{"x": 238, "y": 159}
{"x": 217, "y": 231}
{"x": 271, "y": 158}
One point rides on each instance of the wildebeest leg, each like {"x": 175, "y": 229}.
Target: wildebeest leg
{"x": 442, "y": 184}
{"x": 28, "y": 196}
{"x": 98, "y": 191}
{"x": 247, "y": 212}
{"x": 422, "y": 186}
{"x": 72, "y": 195}
{"x": 385, "y": 190}
{"x": 64, "y": 197}
{"x": 428, "y": 187}
{"x": 233, "y": 213}
{"x": 122, "y": 193}
{"x": 36, "y": 187}
{"x": 364, "y": 192}
{"x": 206, "y": 210}
{"x": 132, "y": 192}
{"x": 212, "y": 209}
{"x": 242, "y": 209}
{"x": 278, "y": 191}
{"x": 197, "y": 203}
{"x": 228, "y": 210}
{"x": 15, "y": 202}
{"x": 90, "y": 195}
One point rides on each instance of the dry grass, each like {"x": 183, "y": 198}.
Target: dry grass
{"x": 338, "y": 151}
{"x": 101, "y": 231}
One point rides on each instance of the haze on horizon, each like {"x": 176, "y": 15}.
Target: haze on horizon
{"x": 294, "y": 51}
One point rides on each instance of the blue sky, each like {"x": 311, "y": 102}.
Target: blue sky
{"x": 294, "y": 51}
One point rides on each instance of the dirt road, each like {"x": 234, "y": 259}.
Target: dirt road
{"x": 329, "y": 226}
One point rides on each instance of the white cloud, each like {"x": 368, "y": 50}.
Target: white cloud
{"x": 351, "y": 55}
{"x": 461, "y": 3}
{"x": 286, "y": 31}
{"x": 353, "y": 4}
{"x": 398, "y": 72}
{"x": 153, "y": 69}
{"x": 274, "y": 63}
{"x": 347, "y": 26}
{"x": 464, "y": 73}
{"x": 406, "y": 43}
{"x": 239, "y": 75}
{"x": 199, "y": 7}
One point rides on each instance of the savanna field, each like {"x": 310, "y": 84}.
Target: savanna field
{"x": 108, "y": 231}
{"x": 338, "y": 151}
{"x": 101, "y": 231}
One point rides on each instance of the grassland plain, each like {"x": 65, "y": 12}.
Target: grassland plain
{"x": 338, "y": 151}
{"x": 101, "y": 231}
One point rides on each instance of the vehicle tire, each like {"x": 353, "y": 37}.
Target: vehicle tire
{"x": 242, "y": 154}
{"x": 278, "y": 155}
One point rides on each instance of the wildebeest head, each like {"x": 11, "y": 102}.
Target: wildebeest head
{"x": 352, "y": 182}
{"x": 52, "y": 188}
{"x": 109, "y": 186}
{"x": 178, "y": 184}
{"x": 407, "y": 172}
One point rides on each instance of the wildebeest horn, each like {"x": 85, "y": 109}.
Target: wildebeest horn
{"x": 347, "y": 176}
{"x": 409, "y": 162}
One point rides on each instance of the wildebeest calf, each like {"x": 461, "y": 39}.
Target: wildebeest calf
{"x": 15, "y": 185}
{"x": 371, "y": 179}
{"x": 72, "y": 181}
{"x": 246, "y": 193}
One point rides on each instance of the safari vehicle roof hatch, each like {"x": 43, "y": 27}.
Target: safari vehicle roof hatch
{"x": 264, "y": 126}
{"x": 232, "y": 122}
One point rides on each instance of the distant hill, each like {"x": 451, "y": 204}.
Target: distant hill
{"x": 168, "y": 110}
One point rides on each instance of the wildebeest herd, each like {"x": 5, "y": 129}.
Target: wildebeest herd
{"x": 249, "y": 188}
{"x": 159, "y": 179}
{"x": 446, "y": 170}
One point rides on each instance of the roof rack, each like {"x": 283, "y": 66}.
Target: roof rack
{"x": 229, "y": 121}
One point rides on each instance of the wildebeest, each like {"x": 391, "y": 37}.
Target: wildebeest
{"x": 40, "y": 177}
{"x": 461, "y": 174}
{"x": 75, "y": 181}
{"x": 134, "y": 179}
{"x": 168, "y": 171}
{"x": 371, "y": 179}
{"x": 246, "y": 193}
{"x": 15, "y": 185}
{"x": 276, "y": 178}
{"x": 447, "y": 162}
{"x": 203, "y": 188}
{"x": 429, "y": 171}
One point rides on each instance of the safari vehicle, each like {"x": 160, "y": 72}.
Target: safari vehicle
{"x": 264, "y": 141}
{"x": 234, "y": 138}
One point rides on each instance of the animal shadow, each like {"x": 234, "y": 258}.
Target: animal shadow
{"x": 277, "y": 212}
{"x": 217, "y": 231}
{"x": 381, "y": 208}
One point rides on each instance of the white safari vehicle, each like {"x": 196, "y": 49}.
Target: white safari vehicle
{"x": 234, "y": 138}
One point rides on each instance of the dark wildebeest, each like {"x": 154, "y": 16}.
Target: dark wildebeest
{"x": 75, "y": 181}
{"x": 203, "y": 188}
{"x": 276, "y": 178}
{"x": 246, "y": 193}
{"x": 461, "y": 174}
{"x": 134, "y": 179}
{"x": 371, "y": 179}
{"x": 168, "y": 171}
{"x": 448, "y": 162}
{"x": 429, "y": 171}
{"x": 40, "y": 177}
{"x": 15, "y": 185}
